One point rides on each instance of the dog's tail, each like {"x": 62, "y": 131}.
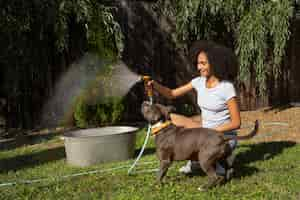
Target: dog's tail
{"x": 246, "y": 137}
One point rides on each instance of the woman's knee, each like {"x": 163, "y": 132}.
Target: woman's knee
{"x": 196, "y": 118}
{"x": 178, "y": 120}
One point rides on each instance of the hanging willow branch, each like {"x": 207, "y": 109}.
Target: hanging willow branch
{"x": 260, "y": 30}
{"x": 103, "y": 32}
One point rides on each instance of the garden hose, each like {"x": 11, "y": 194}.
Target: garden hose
{"x": 59, "y": 178}
{"x": 149, "y": 92}
{"x": 142, "y": 150}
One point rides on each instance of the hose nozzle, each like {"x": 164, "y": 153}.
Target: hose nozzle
{"x": 148, "y": 88}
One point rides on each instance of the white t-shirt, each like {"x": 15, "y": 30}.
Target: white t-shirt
{"x": 213, "y": 101}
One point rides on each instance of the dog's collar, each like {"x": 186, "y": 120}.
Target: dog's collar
{"x": 159, "y": 126}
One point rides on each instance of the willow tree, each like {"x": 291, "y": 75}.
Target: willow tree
{"x": 259, "y": 30}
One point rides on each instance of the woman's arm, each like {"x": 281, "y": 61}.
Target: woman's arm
{"x": 171, "y": 93}
{"x": 234, "y": 112}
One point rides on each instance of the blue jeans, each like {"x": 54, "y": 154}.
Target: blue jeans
{"x": 233, "y": 142}
{"x": 220, "y": 170}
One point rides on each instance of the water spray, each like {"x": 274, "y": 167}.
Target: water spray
{"x": 149, "y": 92}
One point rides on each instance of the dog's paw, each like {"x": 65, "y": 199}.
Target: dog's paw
{"x": 219, "y": 180}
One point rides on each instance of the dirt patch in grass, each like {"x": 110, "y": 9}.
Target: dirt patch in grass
{"x": 276, "y": 124}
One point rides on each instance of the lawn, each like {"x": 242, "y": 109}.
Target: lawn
{"x": 269, "y": 170}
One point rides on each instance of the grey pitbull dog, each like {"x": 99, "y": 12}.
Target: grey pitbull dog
{"x": 174, "y": 143}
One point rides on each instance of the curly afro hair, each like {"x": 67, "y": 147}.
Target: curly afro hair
{"x": 221, "y": 59}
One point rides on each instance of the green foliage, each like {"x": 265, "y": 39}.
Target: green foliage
{"x": 81, "y": 114}
{"x": 252, "y": 43}
{"x": 279, "y": 21}
{"x": 106, "y": 111}
{"x": 109, "y": 110}
{"x": 259, "y": 30}
{"x": 37, "y": 24}
{"x": 262, "y": 36}
{"x": 104, "y": 33}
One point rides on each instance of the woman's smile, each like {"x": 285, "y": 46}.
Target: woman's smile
{"x": 203, "y": 65}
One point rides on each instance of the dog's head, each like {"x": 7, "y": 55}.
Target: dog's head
{"x": 155, "y": 112}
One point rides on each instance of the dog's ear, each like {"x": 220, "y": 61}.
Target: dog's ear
{"x": 165, "y": 110}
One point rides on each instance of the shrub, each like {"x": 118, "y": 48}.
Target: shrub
{"x": 107, "y": 111}
{"x": 81, "y": 114}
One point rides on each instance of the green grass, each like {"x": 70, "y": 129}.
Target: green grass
{"x": 263, "y": 171}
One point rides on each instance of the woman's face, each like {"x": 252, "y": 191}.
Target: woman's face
{"x": 203, "y": 65}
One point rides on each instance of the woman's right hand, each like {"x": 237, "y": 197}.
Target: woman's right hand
{"x": 150, "y": 84}
{"x": 149, "y": 87}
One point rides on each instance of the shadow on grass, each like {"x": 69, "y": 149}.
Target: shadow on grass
{"x": 247, "y": 154}
{"x": 147, "y": 151}
{"x": 18, "y": 141}
{"x": 253, "y": 153}
{"x": 34, "y": 159}
{"x": 257, "y": 152}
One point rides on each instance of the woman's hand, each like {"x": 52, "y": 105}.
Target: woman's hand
{"x": 149, "y": 88}
{"x": 149, "y": 84}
